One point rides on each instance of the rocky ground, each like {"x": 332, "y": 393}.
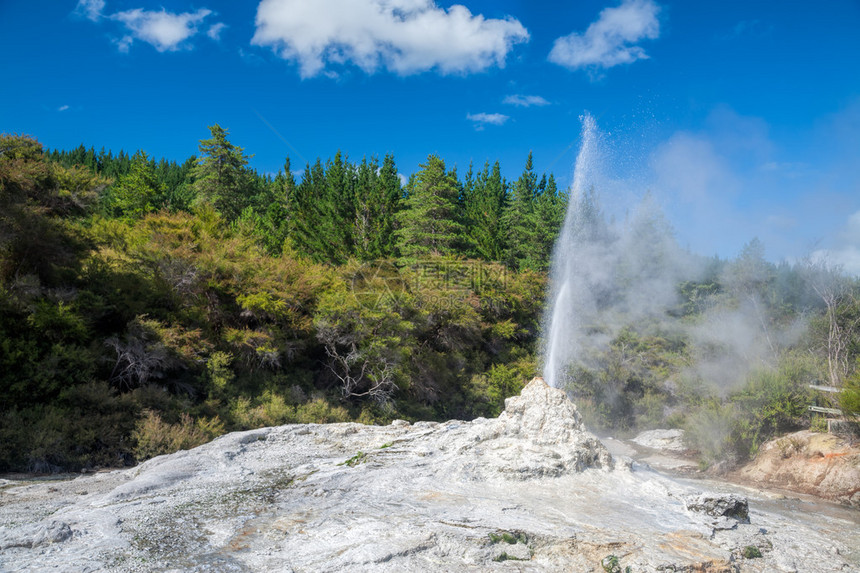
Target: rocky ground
{"x": 819, "y": 464}
{"x": 528, "y": 491}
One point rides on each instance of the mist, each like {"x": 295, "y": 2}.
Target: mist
{"x": 632, "y": 313}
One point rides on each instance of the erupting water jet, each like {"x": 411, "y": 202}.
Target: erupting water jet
{"x": 562, "y": 320}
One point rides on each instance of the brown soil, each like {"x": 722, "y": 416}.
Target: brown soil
{"x": 823, "y": 465}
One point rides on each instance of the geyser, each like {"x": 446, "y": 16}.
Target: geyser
{"x": 567, "y": 281}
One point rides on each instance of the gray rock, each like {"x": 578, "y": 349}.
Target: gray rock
{"x": 728, "y": 505}
{"x": 36, "y": 535}
{"x": 666, "y": 440}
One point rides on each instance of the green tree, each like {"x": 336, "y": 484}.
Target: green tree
{"x": 549, "y": 210}
{"x": 308, "y": 214}
{"x": 338, "y": 208}
{"x": 139, "y": 192}
{"x": 221, "y": 177}
{"x": 485, "y": 199}
{"x": 273, "y": 225}
{"x": 377, "y": 196}
{"x": 429, "y": 222}
{"x": 521, "y": 224}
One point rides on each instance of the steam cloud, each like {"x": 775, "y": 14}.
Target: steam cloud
{"x": 608, "y": 276}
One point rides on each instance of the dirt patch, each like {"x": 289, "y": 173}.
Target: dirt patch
{"x": 823, "y": 465}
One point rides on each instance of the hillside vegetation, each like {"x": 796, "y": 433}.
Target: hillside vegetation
{"x": 148, "y": 306}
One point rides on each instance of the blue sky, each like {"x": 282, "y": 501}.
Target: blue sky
{"x": 742, "y": 118}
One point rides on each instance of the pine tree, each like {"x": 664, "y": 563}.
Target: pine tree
{"x": 139, "y": 192}
{"x": 366, "y": 207}
{"x": 428, "y": 223}
{"x": 274, "y": 223}
{"x": 387, "y": 195}
{"x": 485, "y": 200}
{"x": 377, "y": 195}
{"x": 307, "y": 213}
{"x": 221, "y": 176}
{"x": 549, "y": 207}
{"x": 339, "y": 208}
{"x": 521, "y": 224}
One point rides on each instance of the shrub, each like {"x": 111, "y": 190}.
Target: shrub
{"x": 86, "y": 426}
{"x": 849, "y": 398}
{"x": 155, "y": 437}
{"x": 773, "y": 401}
{"x": 708, "y": 429}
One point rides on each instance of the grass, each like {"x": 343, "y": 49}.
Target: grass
{"x": 358, "y": 458}
{"x": 505, "y": 557}
{"x": 509, "y": 538}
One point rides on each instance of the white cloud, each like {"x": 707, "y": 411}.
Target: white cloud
{"x": 403, "y": 36}
{"x": 847, "y": 258}
{"x": 483, "y": 119}
{"x": 525, "y": 100}
{"x": 846, "y": 249}
{"x": 63, "y": 108}
{"x": 90, "y": 9}
{"x": 215, "y": 30}
{"x": 611, "y": 40}
{"x": 165, "y": 30}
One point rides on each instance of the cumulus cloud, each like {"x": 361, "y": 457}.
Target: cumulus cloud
{"x": 164, "y": 30}
{"x": 63, "y": 108}
{"x": 525, "y": 100}
{"x": 403, "y": 36}
{"x": 483, "y": 119}
{"x": 611, "y": 40}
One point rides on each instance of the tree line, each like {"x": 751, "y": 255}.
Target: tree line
{"x": 338, "y": 209}
{"x": 147, "y": 306}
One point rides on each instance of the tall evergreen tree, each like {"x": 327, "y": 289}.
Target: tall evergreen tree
{"x": 339, "y": 208}
{"x": 429, "y": 222}
{"x": 520, "y": 222}
{"x": 274, "y": 222}
{"x": 365, "y": 208}
{"x": 139, "y": 192}
{"x": 549, "y": 209}
{"x": 485, "y": 200}
{"x": 221, "y": 176}
{"x": 377, "y": 195}
{"x": 387, "y": 195}
{"x": 307, "y": 213}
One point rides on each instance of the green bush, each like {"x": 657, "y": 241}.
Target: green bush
{"x": 87, "y": 426}
{"x": 154, "y": 437}
{"x": 849, "y": 398}
{"x": 709, "y": 428}
{"x": 773, "y": 401}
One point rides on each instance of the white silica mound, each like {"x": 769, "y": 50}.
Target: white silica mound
{"x": 531, "y": 490}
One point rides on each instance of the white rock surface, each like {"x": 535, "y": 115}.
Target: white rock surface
{"x": 668, "y": 440}
{"x": 528, "y": 491}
